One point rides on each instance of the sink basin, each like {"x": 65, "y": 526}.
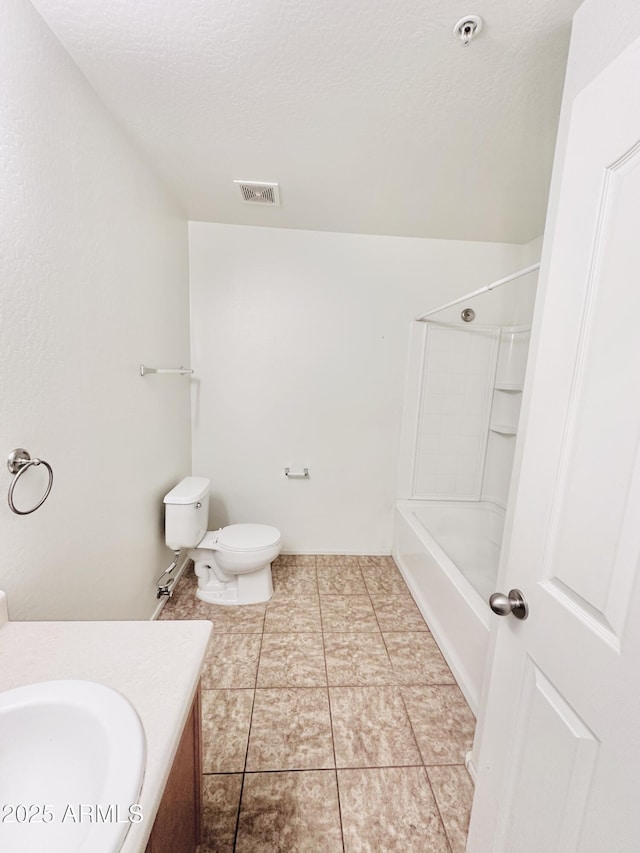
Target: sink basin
{"x": 72, "y": 757}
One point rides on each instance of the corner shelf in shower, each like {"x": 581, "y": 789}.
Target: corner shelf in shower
{"x": 504, "y": 429}
{"x": 508, "y": 388}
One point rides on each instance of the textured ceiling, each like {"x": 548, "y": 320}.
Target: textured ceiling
{"x": 369, "y": 114}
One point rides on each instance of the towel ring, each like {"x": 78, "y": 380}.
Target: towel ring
{"x": 18, "y": 462}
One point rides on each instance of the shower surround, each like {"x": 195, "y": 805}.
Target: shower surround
{"x": 460, "y": 423}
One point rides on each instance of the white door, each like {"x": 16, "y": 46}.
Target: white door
{"x": 559, "y": 764}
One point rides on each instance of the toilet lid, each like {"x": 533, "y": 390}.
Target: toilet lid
{"x": 248, "y": 537}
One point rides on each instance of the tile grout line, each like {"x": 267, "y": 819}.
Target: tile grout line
{"x": 437, "y": 804}
{"x": 246, "y": 754}
{"x": 333, "y": 745}
{"x": 413, "y": 734}
{"x": 333, "y": 740}
{"x": 329, "y": 769}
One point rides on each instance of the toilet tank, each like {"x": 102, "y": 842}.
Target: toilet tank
{"x": 186, "y": 513}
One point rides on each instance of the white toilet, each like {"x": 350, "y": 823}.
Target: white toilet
{"x": 233, "y": 564}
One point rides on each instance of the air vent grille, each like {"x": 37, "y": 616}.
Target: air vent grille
{"x": 259, "y": 192}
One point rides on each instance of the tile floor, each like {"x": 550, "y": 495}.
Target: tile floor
{"x": 331, "y": 721}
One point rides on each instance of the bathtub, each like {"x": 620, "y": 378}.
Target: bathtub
{"x": 448, "y": 552}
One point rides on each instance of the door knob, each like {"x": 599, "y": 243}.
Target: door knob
{"x": 513, "y": 603}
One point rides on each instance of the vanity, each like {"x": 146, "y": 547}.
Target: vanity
{"x": 156, "y": 666}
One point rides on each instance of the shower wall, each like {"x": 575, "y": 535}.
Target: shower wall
{"x": 455, "y": 404}
{"x": 506, "y": 394}
{"x": 462, "y": 402}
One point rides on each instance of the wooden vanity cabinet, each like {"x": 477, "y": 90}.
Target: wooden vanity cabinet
{"x": 177, "y": 824}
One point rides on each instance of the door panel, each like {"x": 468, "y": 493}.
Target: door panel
{"x": 560, "y": 750}
{"x": 553, "y": 757}
{"x": 601, "y": 439}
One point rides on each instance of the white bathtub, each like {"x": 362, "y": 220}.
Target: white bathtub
{"x": 448, "y": 552}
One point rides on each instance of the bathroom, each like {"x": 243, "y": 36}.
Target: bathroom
{"x": 298, "y": 335}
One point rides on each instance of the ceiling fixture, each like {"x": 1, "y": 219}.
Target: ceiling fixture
{"x": 467, "y": 28}
{"x": 259, "y": 192}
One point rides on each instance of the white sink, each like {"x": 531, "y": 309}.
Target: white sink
{"x": 72, "y": 757}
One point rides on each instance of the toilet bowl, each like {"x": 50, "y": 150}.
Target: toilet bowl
{"x": 232, "y": 564}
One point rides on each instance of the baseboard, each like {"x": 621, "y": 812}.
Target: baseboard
{"x": 471, "y": 767}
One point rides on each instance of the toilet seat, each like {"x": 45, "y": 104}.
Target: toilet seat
{"x": 241, "y": 537}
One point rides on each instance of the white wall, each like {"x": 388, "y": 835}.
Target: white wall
{"x": 300, "y": 342}
{"x": 93, "y": 281}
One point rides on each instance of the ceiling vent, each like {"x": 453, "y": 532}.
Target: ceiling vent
{"x": 258, "y": 192}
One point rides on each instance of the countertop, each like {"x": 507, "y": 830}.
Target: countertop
{"x": 155, "y": 665}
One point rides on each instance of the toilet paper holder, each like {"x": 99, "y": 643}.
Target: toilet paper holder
{"x": 297, "y": 475}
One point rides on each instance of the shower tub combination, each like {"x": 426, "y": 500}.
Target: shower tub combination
{"x": 448, "y": 552}
{"x": 462, "y": 408}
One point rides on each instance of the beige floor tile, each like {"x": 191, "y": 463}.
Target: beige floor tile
{"x": 340, "y": 580}
{"x": 442, "y": 722}
{"x": 387, "y": 803}
{"x": 352, "y": 613}
{"x": 290, "y": 813}
{"x": 293, "y": 615}
{"x": 236, "y": 619}
{"x": 188, "y": 582}
{"x": 337, "y": 560}
{"x": 294, "y": 560}
{"x": 376, "y": 560}
{"x": 397, "y": 613}
{"x": 453, "y": 790}
{"x": 389, "y": 809}
{"x": 357, "y": 659}
{"x": 292, "y": 660}
{"x": 417, "y": 659}
{"x": 226, "y": 716}
{"x": 371, "y": 728}
{"x": 231, "y": 661}
{"x": 220, "y": 803}
{"x": 171, "y": 610}
{"x": 185, "y": 606}
{"x": 384, "y": 580}
{"x": 290, "y": 730}
{"x": 294, "y": 580}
